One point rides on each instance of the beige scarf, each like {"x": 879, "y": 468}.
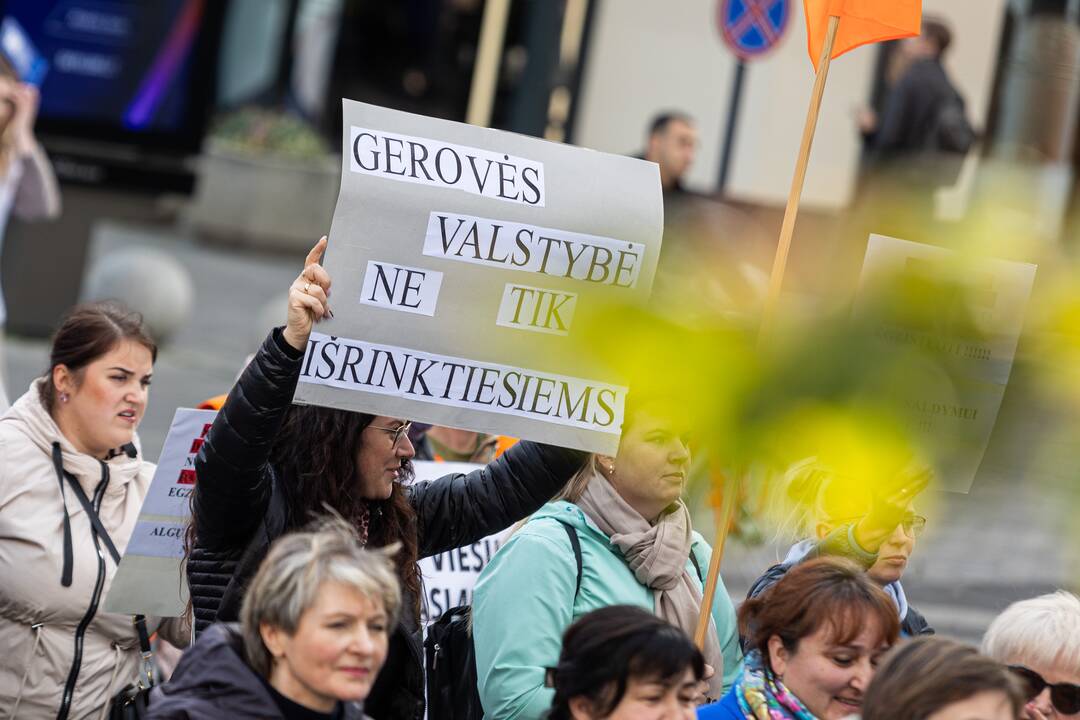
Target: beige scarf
{"x": 658, "y": 555}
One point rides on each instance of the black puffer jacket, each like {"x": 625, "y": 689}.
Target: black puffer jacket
{"x": 213, "y": 680}
{"x": 241, "y": 505}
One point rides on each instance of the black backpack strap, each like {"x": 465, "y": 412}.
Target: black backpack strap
{"x": 697, "y": 566}
{"x": 575, "y": 543}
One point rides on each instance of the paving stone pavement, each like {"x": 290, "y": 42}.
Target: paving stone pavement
{"x": 1014, "y": 535}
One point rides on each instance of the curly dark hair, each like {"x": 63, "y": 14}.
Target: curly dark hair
{"x": 325, "y": 476}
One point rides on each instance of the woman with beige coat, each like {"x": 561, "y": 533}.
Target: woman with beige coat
{"x": 68, "y": 450}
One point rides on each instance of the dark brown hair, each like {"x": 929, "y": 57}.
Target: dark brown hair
{"x": 607, "y": 648}
{"x": 938, "y": 32}
{"x": 924, "y": 675}
{"x": 88, "y": 332}
{"x": 828, "y": 590}
{"x": 326, "y": 476}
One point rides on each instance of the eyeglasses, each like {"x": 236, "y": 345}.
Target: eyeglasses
{"x": 395, "y": 433}
{"x": 1064, "y": 696}
{"x": 913, "y": 525}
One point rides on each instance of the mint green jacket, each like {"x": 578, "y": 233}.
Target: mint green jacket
{"x": 524, "y": 601}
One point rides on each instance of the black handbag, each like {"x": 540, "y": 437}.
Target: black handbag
{"x": 132, "y": 701}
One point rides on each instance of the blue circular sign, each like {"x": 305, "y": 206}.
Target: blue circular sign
{"x": 753, "y": 27}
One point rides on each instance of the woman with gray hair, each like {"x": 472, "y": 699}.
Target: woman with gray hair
{"x": 1039, "y": 639}
{"x": 314, "y": 632}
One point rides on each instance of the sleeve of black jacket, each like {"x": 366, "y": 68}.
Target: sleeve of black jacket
{"x": 234, "y": 480}
{"x": 458, "y": 510}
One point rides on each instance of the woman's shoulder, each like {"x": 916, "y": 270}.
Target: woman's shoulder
{"x": 727, "y": 708}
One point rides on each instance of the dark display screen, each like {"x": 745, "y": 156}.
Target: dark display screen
{"x": 118, "y": 68}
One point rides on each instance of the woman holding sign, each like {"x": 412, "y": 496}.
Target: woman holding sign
{"x": 268, "y": 466}
{"x": 72, "y": 480}
{"x": 623, "y": 517}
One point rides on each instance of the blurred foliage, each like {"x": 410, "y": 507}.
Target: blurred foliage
{"x": 868, "y": 394}
{"x": 264, "y": 132}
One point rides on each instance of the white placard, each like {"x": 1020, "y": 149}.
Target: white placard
{"x": 533, "y": 249}
{"x": 958, "y": 406}
{"x": 456, "y": 382}
{"x": 574, "y": 231}
{"x": 536, "y": 309}
{"x": 174, "y": 478}
{"x": 405, "y": 289}
{"x": 150, "y": 579}
{"x": 437, "y": 163}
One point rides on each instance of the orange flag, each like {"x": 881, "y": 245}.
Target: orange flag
{"x": 861, "y": 22}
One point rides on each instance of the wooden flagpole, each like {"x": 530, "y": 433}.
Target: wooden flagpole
{"x": 729, "y": 498}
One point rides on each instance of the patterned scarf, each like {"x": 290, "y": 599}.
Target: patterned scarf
{"x": 762, "y": 696}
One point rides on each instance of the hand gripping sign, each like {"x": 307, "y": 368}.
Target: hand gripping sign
{"x": 464, "y": 262}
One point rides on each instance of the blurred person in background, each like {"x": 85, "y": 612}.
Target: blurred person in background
{"x": 313, "y": 634}
{"x": 919, "y": 107}
{"x": 814, "y": 640}
{"x": 1039, "y": 640}
{"x": 445, "y": 444}
{"x": 268, "y": 465}
{"x": 939, "y": 679}
{"x": 28, "y": 186}
{"x": 624, "y": 517}
{"x": 71, "y": 486}
{"x": 624, "y": 663}
{"x": 875, "y": 528}
{"x": 916, "y": 147}
{"x": 671, "y": 144}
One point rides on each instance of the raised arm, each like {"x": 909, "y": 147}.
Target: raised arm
{"x": 233, "y": 485}
{"x": 458, "y": 510}
{"x": 234, "y": 477}
{"x": 37, "y": 196}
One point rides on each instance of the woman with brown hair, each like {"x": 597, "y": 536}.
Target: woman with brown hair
{"x": 814, "y": 639}
{"x": 940, "y": 679}
{"x": 267, "y": 466}
{"x": 72, "y": 481}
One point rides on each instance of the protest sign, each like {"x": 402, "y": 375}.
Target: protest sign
{"x": 974, "y": 334}
{"x": 464, "y": 260}
{"x": 449, "y": 577}
{"x": 150, "y": 579}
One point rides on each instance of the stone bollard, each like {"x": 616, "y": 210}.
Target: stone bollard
{"x": 271, "y": 315}
{"x": 148, "y": 281}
